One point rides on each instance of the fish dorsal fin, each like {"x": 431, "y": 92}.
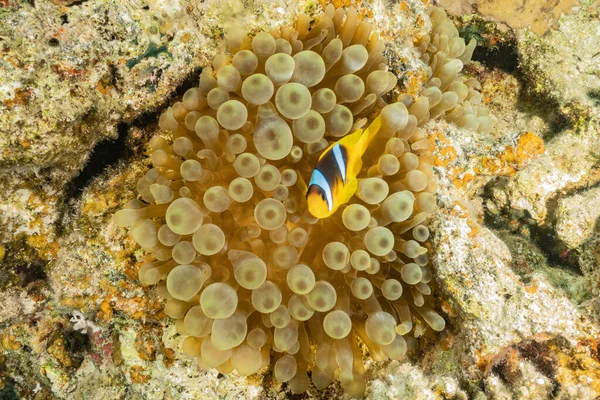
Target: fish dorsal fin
{"x": 350, "y": 141}
{"x": 361, "y": 139}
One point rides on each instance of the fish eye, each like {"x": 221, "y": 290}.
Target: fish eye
{"x": 321, "y": 193}
{"x": 313, "y": 189}
{"x": 316, "y": 190}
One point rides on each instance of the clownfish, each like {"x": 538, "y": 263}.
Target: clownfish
{"x": 333, "y": 181}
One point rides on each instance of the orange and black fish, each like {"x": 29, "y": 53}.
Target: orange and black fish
{"x": 333, "y": 181}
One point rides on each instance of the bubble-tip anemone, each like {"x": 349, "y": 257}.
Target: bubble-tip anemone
{"x": 246, "y": 271}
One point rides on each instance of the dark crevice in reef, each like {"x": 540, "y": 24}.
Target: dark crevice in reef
{"x": 594, "y": 94}
{"x": 22, "y": 268}
{"x": 518, "y": 222}
{"x": 544, "y": 107}
{"x": 78, "y": 345}
{"x": 149, "y": 118}
{"x": 499, "y": 50}
{"x": 103, "y": 155}
{"x": 504, "y": 364}
{"x": 190, "y": 82}
{"x": 541, "y": 105}
{"x": 31, "y": 271}
{"x": 503, "y": 56}
{"x": 543, "y": 236}
{"x": 506, "y": 58}
{"x": 8, "y": 391}
{"x": 556, "y": 252}
{"x": 108, "y": 153}
{"x": 76, "y": 3}
{"x": 495, "y": 49}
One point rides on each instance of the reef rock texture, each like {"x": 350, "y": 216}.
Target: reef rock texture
{"x": 515, "y": 239}
{"x": 537, "y": 15}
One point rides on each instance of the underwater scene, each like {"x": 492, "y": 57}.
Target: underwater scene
{"x": 313, "y": 199}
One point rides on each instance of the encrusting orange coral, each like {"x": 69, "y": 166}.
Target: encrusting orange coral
{"x": 246, "y": 270}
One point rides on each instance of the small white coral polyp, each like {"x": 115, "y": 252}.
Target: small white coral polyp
{"x": 246, "y": 271}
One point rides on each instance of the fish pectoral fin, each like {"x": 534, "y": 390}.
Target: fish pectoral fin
{"x": 348, "y": 191}
{"x": 301, "y": 184}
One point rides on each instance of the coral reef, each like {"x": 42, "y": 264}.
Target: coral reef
{"x": 513, "y": 242}
{"x": 54, "y": 99}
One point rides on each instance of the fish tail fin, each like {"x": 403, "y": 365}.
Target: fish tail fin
{"x": 369, "y": 134}
{"x": 363, "y": 143}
